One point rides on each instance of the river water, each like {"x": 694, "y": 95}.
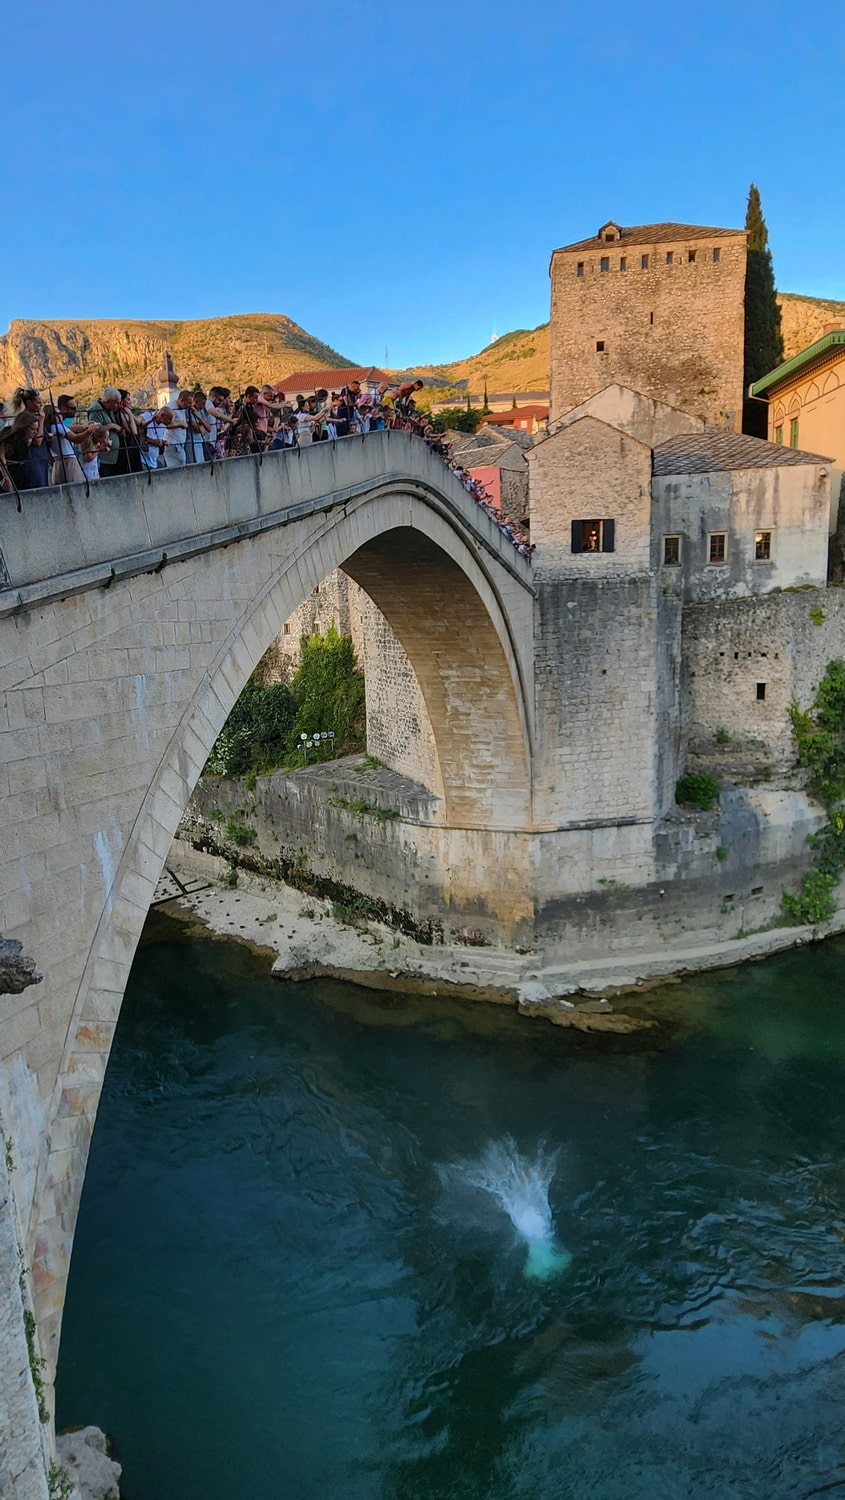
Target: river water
{"x": 282, "y": 1287}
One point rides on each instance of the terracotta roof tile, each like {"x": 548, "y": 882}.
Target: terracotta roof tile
{"x": 710, "y": 452}
{"x": 301, "y": 382}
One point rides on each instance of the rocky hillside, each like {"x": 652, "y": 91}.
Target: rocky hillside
{"x": 519, "y": 361}
{"x": 80, "y": 357}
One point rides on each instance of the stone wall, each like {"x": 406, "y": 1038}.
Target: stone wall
{"x": 672, "y": 331}
{"x": 782, "y": 641}
{"x": 590, "y": 470}
{"x": 23, "y": 1449}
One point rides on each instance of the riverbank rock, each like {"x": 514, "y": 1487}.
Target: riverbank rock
{"x": 83, "y": 1453}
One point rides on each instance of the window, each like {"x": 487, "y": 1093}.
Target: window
{"x": 691, "y": 257}
{"x": 599, "y": 346}
{"x": 623, "y": 263}
{"x": 762, "y": 546}
{"x": 793, "y": 433}
{"x": 779, "y": 434}
{"x": 671, "y": 551}
{"x": 717, "y": 256}
{"x": 287, "y": 629}
{"x": 651, "y": 319}
{"x": 670, "y": 256}
{"x": 718, "y": 547}
{"x": 761, "y": 692}
{"x": 643, "y": 262}
{"x": 593, "y": 536}
{"x": 604, "y": 263}
{"x": 609, "y": 238}
{"x": 579, "y": 270}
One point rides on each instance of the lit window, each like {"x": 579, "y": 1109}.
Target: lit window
{"x": 761, "y": 692}
{"x": 671, "y": 551}
{"x": 623, "y": 263}
{"x": 643, "y": 262}
{"x": 717, "y": 256}
{"x": 670, "y": 256}
{"x": 779, "y": 434}
{"x": 793, "y": 433}
{"x": 691, "y": 256}
{"x": 580, "y": 268}
{"x": 604, "y": 263}
{"x": 599, "y": 346}
{"x": 718, "y": 547}
{"x": 762, "y": 546}
{"x": 593, "y": 536}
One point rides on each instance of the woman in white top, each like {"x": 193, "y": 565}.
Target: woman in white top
{"x": 65, "y": 467}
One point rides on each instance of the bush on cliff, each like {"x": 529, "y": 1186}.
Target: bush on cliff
{"x": 819, "y": 735}
{"x": 697, "y": 789}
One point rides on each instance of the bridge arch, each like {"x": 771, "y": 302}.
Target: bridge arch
{"x": 455, "y": 593}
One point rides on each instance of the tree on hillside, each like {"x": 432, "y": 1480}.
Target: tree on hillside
{"x": 457, "y": 418}
{"x": 485, "y": 409}
{"x": 763, "y": 337}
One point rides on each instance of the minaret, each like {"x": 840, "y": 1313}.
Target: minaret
{"x": 167, "y": 386}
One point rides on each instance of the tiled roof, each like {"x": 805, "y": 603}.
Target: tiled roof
{"x": 503, "y": 418}
{"x": 656, "y": 234}
{"x": 301, "y": 382}
{"x": 710, "y": 452}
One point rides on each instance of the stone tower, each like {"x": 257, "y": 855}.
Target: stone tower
{"x": 658, "y": 307}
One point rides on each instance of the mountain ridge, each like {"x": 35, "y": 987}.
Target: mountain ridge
{"x": 81, "y": 355}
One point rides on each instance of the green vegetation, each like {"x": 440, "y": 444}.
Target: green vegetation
{"x": 10, "y": 1160}
{"x": 264, "y": 729}
{"x": 370, "y": 763}
{"x": 242, "y": 834}
{"x": 722, "y": 737}
{"x": 60, "y": 1483}
{"x": 817, "y": 615}
{"x": 361, "y": 808}
{"x": 36, "y": 1363}
{"x": 721, "y": 854}
{"x": 763, "y": 336}
{"x": 819, "y": 736}
{"x": 230, "y": 879}
{"x": 459, "y": 418}
{"x": 697, "y": 789}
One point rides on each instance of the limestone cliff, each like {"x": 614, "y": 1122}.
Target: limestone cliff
{"x": 81, "y": 356}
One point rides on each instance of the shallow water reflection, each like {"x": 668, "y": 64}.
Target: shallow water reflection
{"x": 268, "y": 1297}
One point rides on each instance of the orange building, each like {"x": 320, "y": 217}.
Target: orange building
{"x": 525, "y": 418}
{"x": 806, "y": 396}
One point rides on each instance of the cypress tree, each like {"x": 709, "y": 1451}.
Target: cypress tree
{"x": 485, "y": 410}
{"x": 763, "y": 336}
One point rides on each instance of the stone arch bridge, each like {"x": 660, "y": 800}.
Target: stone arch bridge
{"x": 130, "y": 619}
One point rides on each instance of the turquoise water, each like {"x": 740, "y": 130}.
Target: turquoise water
{"x": 282, "y": 1290}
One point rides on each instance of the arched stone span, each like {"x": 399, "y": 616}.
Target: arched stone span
{"x": 119, "y": 674}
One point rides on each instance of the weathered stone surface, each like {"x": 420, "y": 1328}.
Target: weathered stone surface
{"x": 83, "y": 1453}
{"x": 16, "y": 971}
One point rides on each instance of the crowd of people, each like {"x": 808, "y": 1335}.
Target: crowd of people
{"x": 47, "y": 444}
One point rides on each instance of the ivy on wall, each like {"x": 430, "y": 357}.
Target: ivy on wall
{"x": 819, "y": 735}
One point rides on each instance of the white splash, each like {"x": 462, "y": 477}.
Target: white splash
{"x": 520, "y": 1185}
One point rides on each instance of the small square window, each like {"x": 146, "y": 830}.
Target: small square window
{"x": 670, "y": 256}
{"x": 671, "y": 550}
{"x": 643, "y": 262}
{"x": 793, "y": 433}
{"x": 762, "y": 546}
{"x": 718, "y": 547}
{"x": 691, "y": 257}
{"x": 593, "y": 536}
{"x": 609, "y": 238}
{"x": 717, "y": 256}
{"x": 599, "y": 346}
{"x": 579, "y": 270}
{"x": 623, "y": 263}
{"x": 604, "y": 263}
{"x": 761, "y": 692}
{"x": 779, "y": 434}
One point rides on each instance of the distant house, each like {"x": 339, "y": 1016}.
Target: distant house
{"x": 306, "y": 382}
{"x": 806, "y": 396}
{"x": 525, "y": 418}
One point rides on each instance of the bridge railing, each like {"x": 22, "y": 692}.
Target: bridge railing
{"x": 69, "y": 529}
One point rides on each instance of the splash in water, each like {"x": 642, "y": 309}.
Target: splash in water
{"x": 520, "y": 1184}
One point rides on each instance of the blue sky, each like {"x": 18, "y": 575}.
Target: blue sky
{"x": 394, "y": 176}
